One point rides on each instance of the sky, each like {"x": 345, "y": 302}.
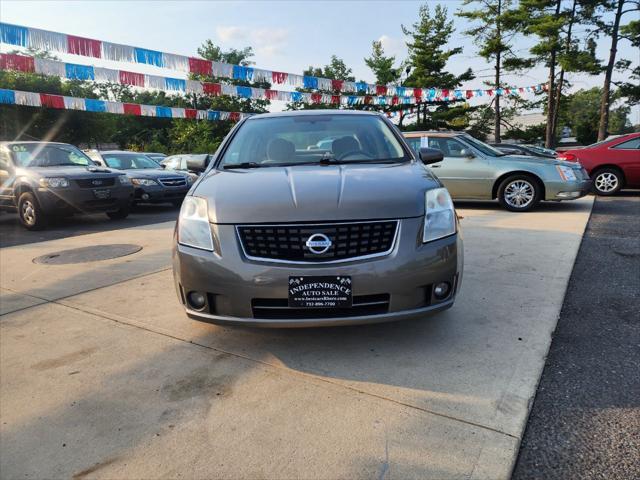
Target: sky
{"x": 285, "y": 35}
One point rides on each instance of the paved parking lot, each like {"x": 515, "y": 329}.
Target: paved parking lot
{"x": 102, "y": 375}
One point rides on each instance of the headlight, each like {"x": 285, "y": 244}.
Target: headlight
{"x": 194, "y": 229}
{"x": 124, "y": 180}
{"x": 144, "y": 182}
{"x": 439, "y": 217}
{"x": 566, "y": 173}
{"x": 54, "y": 182}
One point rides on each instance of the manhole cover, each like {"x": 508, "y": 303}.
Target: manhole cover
{"x": 88, "y": 254}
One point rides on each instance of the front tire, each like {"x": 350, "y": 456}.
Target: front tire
{"x": 607, "y": 181}
{"x": 31, "y": 215}
{"x": 119, "y": 214}
{"x": 519, "y": 193}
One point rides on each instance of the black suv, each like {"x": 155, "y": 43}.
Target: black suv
{"x": 44, "y": 179}
{"x": 152, "y": 183}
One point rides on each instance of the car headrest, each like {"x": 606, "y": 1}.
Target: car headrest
{"x": 342, "y": 145}
{"x": 281, "y": 150}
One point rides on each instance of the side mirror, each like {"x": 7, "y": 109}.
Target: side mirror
{"x": 465, "y": 152}
{"x": 430, "y": 155}
{"x": 198, "y": 163}
{"x": 162, "y": 165}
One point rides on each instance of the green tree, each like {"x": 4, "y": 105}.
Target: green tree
{"x": 557, "y": 47}
{"x": 617, "y": 32}
{"x": 495, "y": 24}
{"x": 429, "y": 55}
{"x": 382, "y": 66}
{"x": 213, "y": 52}
{"x": 581, "y": 112}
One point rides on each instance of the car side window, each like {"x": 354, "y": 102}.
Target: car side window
{"x": 633, "y": 144}
{"x": 414, "y": 143}
{"x": 448, "y": 146}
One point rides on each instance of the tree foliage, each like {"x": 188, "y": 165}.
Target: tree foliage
{"x": 382, "y": 66}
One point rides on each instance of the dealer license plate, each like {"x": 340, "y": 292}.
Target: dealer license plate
{"x": 102, "y": 193}
{"x": 320, "y": 292}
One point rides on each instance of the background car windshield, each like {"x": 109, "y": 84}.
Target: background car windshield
{"x": 47, "y": 155}
{"x": 483, "y": 147}
{"x": 309, "y": 138}
{"x": 126, "y": 161}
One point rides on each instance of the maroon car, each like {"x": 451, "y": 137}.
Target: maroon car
{"x": 612, "y": 164}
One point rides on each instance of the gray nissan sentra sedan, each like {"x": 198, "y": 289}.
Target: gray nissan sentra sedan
{"x": 317, "y": 218}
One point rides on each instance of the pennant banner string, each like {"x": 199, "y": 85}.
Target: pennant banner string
{"x": 72, "y": 71}
{"x": 59, "y": 42}
{"x": 32, "y": 99}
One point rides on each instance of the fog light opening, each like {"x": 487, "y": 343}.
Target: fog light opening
{"x": 196, "y": 300}
{"x": 145, "y": 196}
{"x": 441, "y": 290}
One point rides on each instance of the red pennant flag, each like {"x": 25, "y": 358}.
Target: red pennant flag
{"x": 507, "y": 91}
{"x": 337, "y": 84}
{"x": 234, "y": 116}
{"x": 131, "y": 78}
{"x": 271, "y": 94}
{"x": 381, "y": 90}
{"x": 417, "y": 92}
{"x": 368, "y": 99}
{"x": 316, "y": 97}
{"x": 335, "y": 99}
{"x": 190, "y": 113}
{"x": 490, "y": 93}
{"x": 200, "y": 66}
{"x": 84, "y": 46}
{"x": 21, "y": 63}
{"x": 521, "y": 90}
{"x": 469, "y": 93}
{"x": 279, "y": 77}
{"x": 132, "y": 109}
{"x": 445, "y": 93}
{"x": 214, "y": 89}
{"x": 51, "y": 101}
{"x": 394, "y": 100}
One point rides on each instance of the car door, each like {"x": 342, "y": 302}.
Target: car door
{"x": 6, "y": 179}
{"x": 627, "y": 156}
{"x": 464, "y": 175}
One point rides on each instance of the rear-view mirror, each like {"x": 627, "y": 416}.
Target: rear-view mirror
{"x": 198, "y": 163}
{"x": 430, "y": 155}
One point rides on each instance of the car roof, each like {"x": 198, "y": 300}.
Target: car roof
{"x": 433, "y": 133}
{"x": 126, "y": 152}
{"x": 31, "y": 142}
{"x": 305, "y": 113}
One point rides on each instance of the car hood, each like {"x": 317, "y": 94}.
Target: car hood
{"x": 315, "y": 193}
{"x": 537, "y": 160}
{"x": 153, "y": 173}
{"x": 68, "y": 172}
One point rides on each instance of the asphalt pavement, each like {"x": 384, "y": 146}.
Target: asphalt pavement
{"x": 585, "y": 421}
{"x": 12, "y": 233}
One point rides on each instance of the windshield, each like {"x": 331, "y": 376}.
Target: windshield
{"x": 483, "y": 147}
{"x": 128, "y": 161}
{"x": 48, "y": 155}
{"x": 305, "y": 139}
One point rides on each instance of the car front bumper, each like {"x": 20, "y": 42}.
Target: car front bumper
{"x": 567, "y": 190}
{"x": 83, "y": 200}
{"x": 236, "y": 287}
{"x": 160, "y": 194}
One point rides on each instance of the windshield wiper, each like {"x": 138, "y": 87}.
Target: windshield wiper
{"x": 243, "y": 165}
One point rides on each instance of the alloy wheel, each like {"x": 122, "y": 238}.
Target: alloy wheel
{"x": 28, "y": 212}
{"x": 606, "y": 182}
{"x": 519, "y": 193}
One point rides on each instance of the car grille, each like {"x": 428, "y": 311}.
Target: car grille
{"x": 278, "y": 308}
{"x": 173, "y": 181}
{"x": 287, "y": 243}
{"x": 96, "y": 182}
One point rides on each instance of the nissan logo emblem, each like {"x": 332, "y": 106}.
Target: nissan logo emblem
{"x": 318, "y": 243}
{"x": 96, "y": 182}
